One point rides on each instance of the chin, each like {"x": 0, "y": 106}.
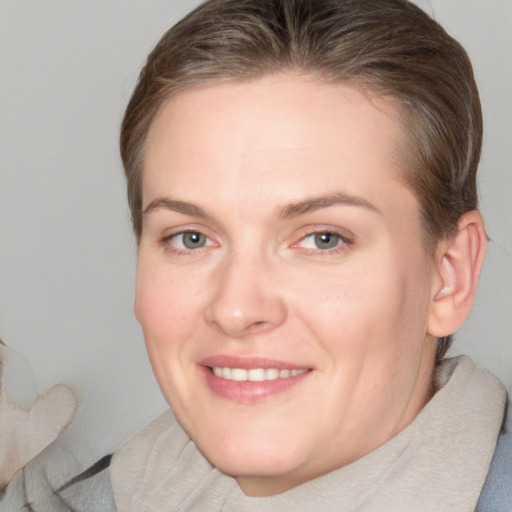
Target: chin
{"x": 253, "y": 456}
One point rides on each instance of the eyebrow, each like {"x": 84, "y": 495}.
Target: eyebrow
{"x": 176, "y": 206}
{"x": 283, "y": 212}
{"x": 317, "y": 203}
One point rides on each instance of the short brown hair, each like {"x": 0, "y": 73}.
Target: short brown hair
{"x": 390, "y": 47}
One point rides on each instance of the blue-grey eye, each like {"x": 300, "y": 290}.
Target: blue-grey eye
{"x": 326, "y": 240}
{"x": 323, "y": 240}
{"x": 191, "y": 240}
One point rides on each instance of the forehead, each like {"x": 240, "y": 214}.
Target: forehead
{"x": 297, "y": 133}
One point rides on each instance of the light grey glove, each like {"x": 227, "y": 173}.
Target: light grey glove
{"x": 25, "y": 432}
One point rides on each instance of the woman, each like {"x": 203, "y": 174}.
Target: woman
{"x": 302, "y": 181}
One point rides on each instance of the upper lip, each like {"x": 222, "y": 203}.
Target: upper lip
{"x": 248, "y": 362}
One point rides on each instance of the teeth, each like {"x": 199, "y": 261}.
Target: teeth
{"x": 238, "y": 374}
{"x": 255, "y": 374}
{"x": 272, "y": 374}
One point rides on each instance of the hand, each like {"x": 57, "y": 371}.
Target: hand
{"x": 26, "y": 432}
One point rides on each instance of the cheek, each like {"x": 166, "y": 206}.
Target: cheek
{"x": 355, "y": 309}
{"x": 338, "y": 302}
{"x": 165, "y": 305}
{"x": 166, "y": 308}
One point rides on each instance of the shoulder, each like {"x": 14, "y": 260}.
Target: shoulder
{"x": 146, "y": 441}
{"x": 52, "y": 482}
{"x": 160, "y": 467}
{"x": 496, "y": 494}
{"x": 163, "y": 441}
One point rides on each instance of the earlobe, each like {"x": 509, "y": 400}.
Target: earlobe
{"x": 459, "y": 260}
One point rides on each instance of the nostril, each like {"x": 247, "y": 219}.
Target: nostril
{"x": 258, "y": 326}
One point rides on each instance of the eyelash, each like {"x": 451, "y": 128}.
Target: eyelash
{"x": 166, "y": 241}
{"x": 343, "y": 241}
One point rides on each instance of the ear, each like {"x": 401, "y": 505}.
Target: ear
{"x": 458, "y": 262}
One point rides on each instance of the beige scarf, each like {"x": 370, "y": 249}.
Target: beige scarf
{"x": 437, "y": 463}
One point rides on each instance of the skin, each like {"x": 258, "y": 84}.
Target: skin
{"x": 250, "y": 157}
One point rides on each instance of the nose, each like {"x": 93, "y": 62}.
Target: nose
{"x": 245, "y": 299}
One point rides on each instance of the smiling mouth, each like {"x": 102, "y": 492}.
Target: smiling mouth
{"x": 255, "y": 374}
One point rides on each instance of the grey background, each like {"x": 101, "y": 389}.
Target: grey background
{"x": 67, "y": 255}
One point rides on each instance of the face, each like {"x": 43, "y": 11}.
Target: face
{"x": 282, "y": 285}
